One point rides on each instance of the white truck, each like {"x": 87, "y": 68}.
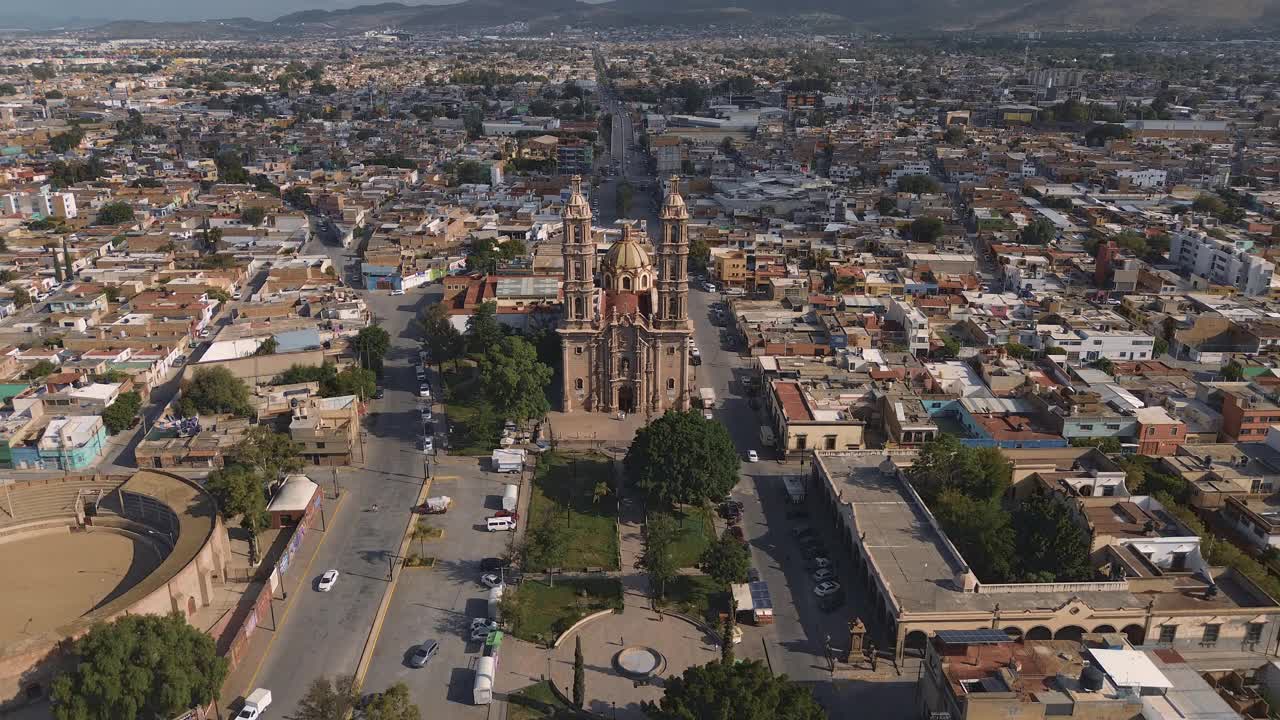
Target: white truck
{"x": 507, "y": 461}
{"x": 708, "y": 398}
{"x": 255, "y": 704}
{"x": 510, "y": 497}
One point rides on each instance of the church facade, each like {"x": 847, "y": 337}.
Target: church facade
{"x": 625, "y": 330}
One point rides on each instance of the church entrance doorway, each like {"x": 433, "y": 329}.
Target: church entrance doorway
{"x": 627, "y": 398}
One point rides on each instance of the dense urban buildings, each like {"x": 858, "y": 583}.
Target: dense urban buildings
{"x": 425, "y": 355}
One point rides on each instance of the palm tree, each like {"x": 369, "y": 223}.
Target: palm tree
{"x": 421, "y": 532}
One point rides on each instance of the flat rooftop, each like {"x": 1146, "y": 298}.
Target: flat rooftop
{"x": 918, "y": 566}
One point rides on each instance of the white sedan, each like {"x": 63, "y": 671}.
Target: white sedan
{"x": 490, "y": 580}
{"x": 327, "y": 580}
{"x": 753, "y": 456}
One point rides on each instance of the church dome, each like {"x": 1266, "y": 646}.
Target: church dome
{"x": 626, "y": 254}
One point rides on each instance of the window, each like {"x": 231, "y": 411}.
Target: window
{"x": 577, "y": 384}
{"x": 1168, "y": 633}
{"x": 1210, "y": 635}
{"x": 577, "y": 351}
{"x": 671, "y": 350}
{"x": 829, "y": 442}
{"x": 1151, "y": 432}
{"x": 319, "y": 446}
{"x": 671, "y": 383}
{"x": 802, "y": 442}
{"x": 1086, "y": 427}
{"x": 1253, "y": 633}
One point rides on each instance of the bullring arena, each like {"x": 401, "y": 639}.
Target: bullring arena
{"x": 82, "y": 549}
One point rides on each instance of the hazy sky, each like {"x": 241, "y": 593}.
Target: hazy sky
{"x": 23, "y": 12}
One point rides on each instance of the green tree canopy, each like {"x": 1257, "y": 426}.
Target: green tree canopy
{"x": 439, "y": 335}
{"x": 981, "y": 473}
{"x": 1051, "y": 547}
{"x": 370, "y": 346}
{"x": 39, "y": 370}
{"x": 1038, "y": 232}
{"x": 392, "y": 704}
{"x": 215, "y": 390}
{"x": 926, "y": 229}
{"x": 471, "y": 172}
{"x": 699, "y": 255}
{"x": 683, "y": 458}
{"x": 253, "y": 216}
{"x": 1233, "y": 372}
{"x": 328, "y": 699}
{"x": 114, "y": 213}
{"x": 980, "y": 530}
{"x": 139, "y": 666}
{"x": 656, "y": 560}
{"x": 483, "y": 329}
{"x": 120, "y": 414}
{"x": 272, "y": 454}
{"x": 742, "y": 691}
{"x": 239, "y": 492}
{"x": 726, "y": 560}
{"x": 514, "y": 380}
{"x": 918, "y": 184}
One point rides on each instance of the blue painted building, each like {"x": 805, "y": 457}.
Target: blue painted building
{"x": 381, "y": 277}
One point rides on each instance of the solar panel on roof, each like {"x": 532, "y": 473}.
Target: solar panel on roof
{"x": 985, "y": 636}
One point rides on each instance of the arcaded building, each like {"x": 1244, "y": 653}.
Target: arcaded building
{"x": 626, "y": 329}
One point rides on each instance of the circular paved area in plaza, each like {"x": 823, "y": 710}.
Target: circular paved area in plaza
{"x": 680, "y": 643}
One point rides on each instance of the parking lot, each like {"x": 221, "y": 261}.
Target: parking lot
{"x": 438, "y": 603}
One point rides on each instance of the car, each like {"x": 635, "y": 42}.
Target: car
{"x": 819, "y": 562}
{"x": 507, "y": 513}
{"x": 823, "y": 575}
{"x": 492, "y": 563}
{"x": 398, "y": 291}
{"x": 426, "y": 413}
{"x": 327, "y": 580}
{"x": 491, "y": 580}
{"x": 428, "y": 444}
{"x": 753, "y": 456}
{"x": 423, "y": 653}
{"x": 706, "y": 414}
{"x": 709, "y": 287}
{"x": 424, "y": 390}
{"x": 832, "y": 602}
{"x": 422, "y": 374}
{"x": 824, "y": 589}
{"x": 480, "y": 629}
{"x": 379, "y": 393}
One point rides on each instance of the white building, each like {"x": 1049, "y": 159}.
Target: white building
{"x": 1149, "y": 178}
{"x": 1086, "y": 346}
{"x": 1220, "y": 262}
{"x": 914, "y": 325}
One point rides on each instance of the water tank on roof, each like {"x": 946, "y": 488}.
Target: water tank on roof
{"x": 1091, "y": 678}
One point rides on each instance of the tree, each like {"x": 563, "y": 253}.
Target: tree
{"x": 441, "y": 338}
{"x": 1051, "y": 547}
{"x": 726, "y": 560}
{"x": 918, "y": 184}
{"x": 742, "y": 691}
{"x": 545, "y": 546}
{"x": 1038, "y": 232}
{"x": 253, "y": 216}
{"x": 1211, "y": 204}
{"x": 1105, "y": 365}
{"x": 471, "y": 172}
{"x": 599, "y": 492}
{"x": 699, "y": 255}
{"x": 239, "y": 492}
{"x": 216, "y": 294}
{"x": 1109, "y": 445}
{"x": 1159, "y": 347}
{"x": 950, "y": 349}
{"x": 514, "y": 381}
{"x": 1233, "y": 372}
{"x": 392, "y": 704}
{"x": 139, "y": 666}
{"x": 979, "y": 528}
{"x": 328, "y": 699}
{"x": 215, "y": 390}
{"x": 483, "y": 329}
{"x": 579, "y": 675}
{"x": 70, "y": 271}
{"x": 726, "y": 638}
{"x": 370, "y": 346}
{"x": 1098, "y": 135}
{"x": 656, "y": 560}
{"x": 683, "y": 458}
{"x": 21, "y": 298}
{"x": 270, "y": 453}
{"x": 886, "y": 206}
{"x": 926, "y": 229}
{"x": 39, "y": 370}
{"x": 954, "y": 135}
{"x": 120, "y": 414}
{"x": 1018, "y": 350}
{"x": 352, "y": 381}
{"x": 114, "y": 213}
{"x": 7, "y": 89}
{"x": 267, "y": 347}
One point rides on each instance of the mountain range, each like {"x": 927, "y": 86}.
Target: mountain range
{"x": 1153, "y": 16}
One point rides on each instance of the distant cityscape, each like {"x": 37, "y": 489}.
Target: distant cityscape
{"x": 640, "y": 372}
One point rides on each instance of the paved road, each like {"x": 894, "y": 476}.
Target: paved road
{"x": 326, "y": 632}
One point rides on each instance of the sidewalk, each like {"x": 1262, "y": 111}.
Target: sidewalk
{"x": 241, "y": 678}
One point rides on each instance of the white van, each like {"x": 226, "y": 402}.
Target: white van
{"x": 497, "y": 524}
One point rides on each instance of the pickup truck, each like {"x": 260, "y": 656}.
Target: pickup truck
{"x": 255, "y": 704}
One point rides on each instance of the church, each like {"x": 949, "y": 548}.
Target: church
{"x": 625, "y": 331}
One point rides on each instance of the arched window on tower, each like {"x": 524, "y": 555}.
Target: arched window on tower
{"x": 673, "y": 309}
{"x": 578, "y": 308}
{"x": 626, "y": 283}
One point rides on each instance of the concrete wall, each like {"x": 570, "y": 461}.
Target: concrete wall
{"x": 260, "y": 369}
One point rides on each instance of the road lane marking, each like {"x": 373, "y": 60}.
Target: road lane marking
{"x": 284, "y": 615}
